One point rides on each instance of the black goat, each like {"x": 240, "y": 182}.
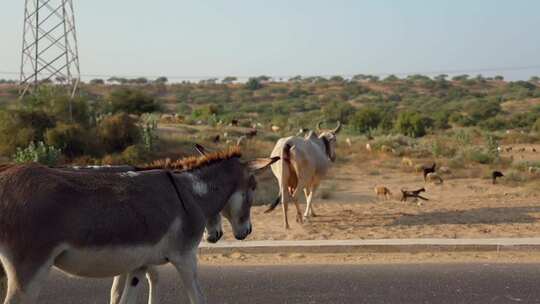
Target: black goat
{"x": 495, "y": 175}
{"x": 428, "y": 170}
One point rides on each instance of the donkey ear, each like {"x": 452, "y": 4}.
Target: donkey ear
{"x": 202, "y": 150}
{"x": 259, "y": 164}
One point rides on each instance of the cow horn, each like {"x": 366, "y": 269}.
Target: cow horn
{"x": 319, "y": 126}
{"x": 336, "y": 130}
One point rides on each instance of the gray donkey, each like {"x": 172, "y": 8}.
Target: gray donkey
{"x": 93, "y": 224}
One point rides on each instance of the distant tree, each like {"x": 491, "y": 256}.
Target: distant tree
{"x": 97, "y": 81}
{"x": 295, "y": 78}
{"x": 360, "y": 77}
{"x": 229, "y": 79}
{"x": 138, "y": 80}
{"x": 480, "y": 78}
{"x": 208, "y": 81}
{"x": 441, "y": 77}
{"x": 162, "y": 80}
{"x": 391, "y": 78}
{"x": 372, "y": 78}
{"x": 337, "y": 78}
{"x": 264, "y": 78}
{"x": 418, "y": 77}
{"x": 253, "y": 84}
{"x": 460, "y": 77}
{"x": 498, "y": 78}
{"x": 132, "y": 102}
{"x": 534, "y": 79}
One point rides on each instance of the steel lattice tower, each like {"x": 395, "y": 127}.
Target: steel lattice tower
{"x": 49, "y": 49}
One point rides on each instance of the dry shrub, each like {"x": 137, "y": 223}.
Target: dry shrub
{"x": 520, "y": 138}
{"x": 117, "y": 132}
{"x": 71, "y": 138}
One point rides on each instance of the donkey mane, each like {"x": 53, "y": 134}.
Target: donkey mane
{"x": 193, "y": 162}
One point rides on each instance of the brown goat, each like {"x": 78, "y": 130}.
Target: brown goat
{"x": 383, "y": 191}
{"x": 412, "y": 193}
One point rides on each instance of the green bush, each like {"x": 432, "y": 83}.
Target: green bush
{"x": 20, "y": 127}
{"x": 366, "y": 119}
{"x": 536, "y": 126}
{"x": 71, "y": 138}
{"x": 481, "y": 157}
{"x": 133, "y": 155}
{"x": 132, "y": 101}
{"x": 411, "y": 124}
{"x": 40, "y": 153}
{"x": 148, "y": 135}
{"x": 335, "y": 111}
{"x": 117, "y": 132}
{"x": 253, "y": 84}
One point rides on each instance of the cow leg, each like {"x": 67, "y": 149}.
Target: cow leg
{"x": 309, "y": 199}
{"x": 299, "y": 218}
{"x": 285, "y": 206}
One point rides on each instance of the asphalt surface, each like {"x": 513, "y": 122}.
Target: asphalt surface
{"x": 429, "y": 283}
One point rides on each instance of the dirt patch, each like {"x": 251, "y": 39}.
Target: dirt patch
{"x": 369, "y": 258}
{"x": 459, "y": 208}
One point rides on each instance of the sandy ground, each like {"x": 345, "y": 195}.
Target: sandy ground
{"x": 369, "y": 258}
{"x": 459, "y": 208}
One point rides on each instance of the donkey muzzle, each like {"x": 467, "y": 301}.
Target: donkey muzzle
{"x": 244, "y": 234}
{"x": 214, "y": 237}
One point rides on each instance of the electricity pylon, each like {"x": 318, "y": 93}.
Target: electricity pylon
{"x": 49, "y": 49}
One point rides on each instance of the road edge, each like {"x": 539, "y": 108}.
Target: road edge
{"x": 373, "y": 246}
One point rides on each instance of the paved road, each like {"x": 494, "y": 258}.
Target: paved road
{"x": 458, "y": 283}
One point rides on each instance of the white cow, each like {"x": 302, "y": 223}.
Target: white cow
{"x": 304, "y": 163}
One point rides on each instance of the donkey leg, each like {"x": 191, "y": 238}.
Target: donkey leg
{"x": 186, "y": 265}
{"x": 132, "y": 286}
{"x": 24, "y": 281}
{"x": 152, "y": 276}
{"x": 118, "y": 288}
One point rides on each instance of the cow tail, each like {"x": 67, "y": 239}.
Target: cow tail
{"x": 285, "y": 158}
{"x": 274, "y": 204}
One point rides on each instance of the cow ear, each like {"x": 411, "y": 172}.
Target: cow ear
{"x": 260, "y": 164}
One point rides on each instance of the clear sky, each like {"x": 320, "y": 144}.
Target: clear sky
{"x": 288, "y": 37}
